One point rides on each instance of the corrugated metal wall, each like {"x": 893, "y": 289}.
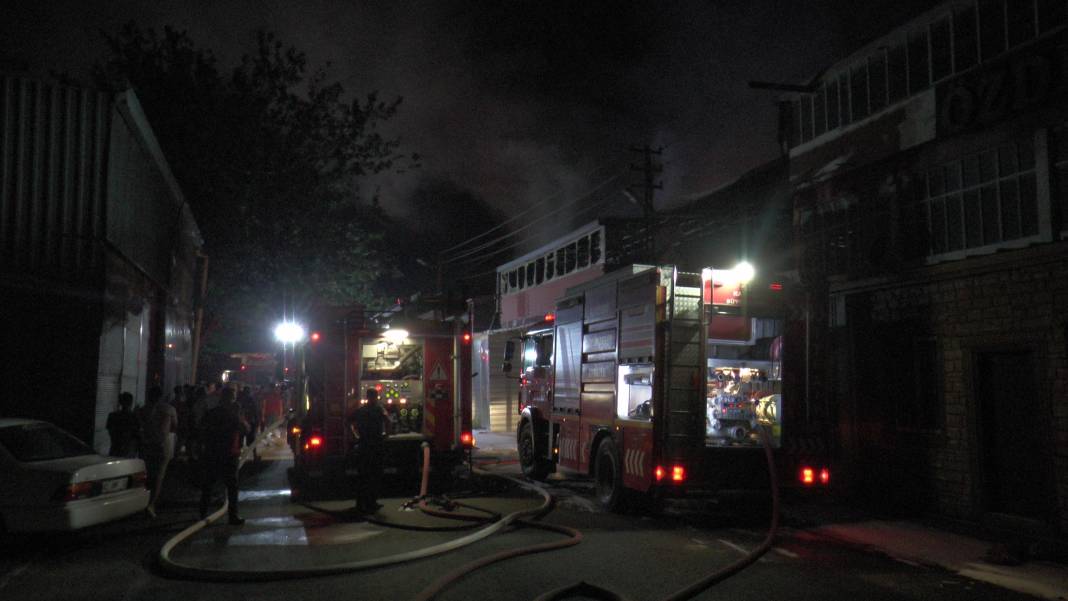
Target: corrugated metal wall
{"x": 98, "y": 254}
{"x": 53, "y": 165}
{"x": 144, "y": 207}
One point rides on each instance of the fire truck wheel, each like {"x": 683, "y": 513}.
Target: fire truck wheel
{"x": 534, "y": 467}
{"x": 609, "y": 475}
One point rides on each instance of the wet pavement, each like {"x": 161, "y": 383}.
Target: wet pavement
{"x": 641, "y": 555}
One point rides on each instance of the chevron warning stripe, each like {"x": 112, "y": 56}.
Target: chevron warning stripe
{"x": 568, "y": 449}
{"x": 633, "y": 462}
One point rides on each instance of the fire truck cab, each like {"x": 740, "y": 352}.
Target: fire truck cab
{"x": 655, "y": 380}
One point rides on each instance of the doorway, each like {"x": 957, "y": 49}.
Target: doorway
{"x": 1014, "y": 450}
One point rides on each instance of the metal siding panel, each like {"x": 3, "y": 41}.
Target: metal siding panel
{"x": 21, "y": 160}
{"x": 597, "y": 342}
{"x": 82, "y": 204}
{"x": 568, "y": 360}
{"x": 99, "y": 178}
{"x": 53, "y": 228}
{"x": 603, "y": 371}
{"x": 7, "y": 159}
{"x": 601, "y": 302}
{"x": 37, "y": 195}
{"x": 69, "y": 242}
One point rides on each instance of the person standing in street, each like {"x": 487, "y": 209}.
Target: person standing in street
{"x": 368, "y": 425}
{"x": 250, "y": 410}
{"x": 160, "y": 427}
{"x": 123, "y": 428}
{"x": 222, "y": 432}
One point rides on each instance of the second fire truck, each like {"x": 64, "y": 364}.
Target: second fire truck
{"x": 421, "y": 369}
{"x": 660, "y": 381}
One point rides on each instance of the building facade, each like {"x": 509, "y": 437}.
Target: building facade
{"x": 929, "y": 173}
{"x": 98, "y": 257}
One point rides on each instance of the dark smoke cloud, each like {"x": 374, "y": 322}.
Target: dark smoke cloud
{"x": 516, "y": 102}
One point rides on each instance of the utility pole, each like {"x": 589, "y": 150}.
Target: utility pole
{"x": 650, "y": 169}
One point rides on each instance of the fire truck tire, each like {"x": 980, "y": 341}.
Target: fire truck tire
{"x": 609, "y": 476}
{"x": 534, "y": 467}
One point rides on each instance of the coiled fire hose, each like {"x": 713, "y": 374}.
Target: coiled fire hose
{"x": 176, "y": 568}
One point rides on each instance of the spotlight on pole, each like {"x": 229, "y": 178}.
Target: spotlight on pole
{"x": 289, "y": 332}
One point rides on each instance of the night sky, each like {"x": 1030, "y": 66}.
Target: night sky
{"x": 517, "y": 101}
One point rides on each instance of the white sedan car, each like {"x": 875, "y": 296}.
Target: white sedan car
{"x": 50, "y": 480}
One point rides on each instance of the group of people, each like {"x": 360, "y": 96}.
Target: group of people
{"x": 207, "y": 424}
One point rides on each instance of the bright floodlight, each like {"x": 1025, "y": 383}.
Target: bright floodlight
{"x": 288, "y": 332}
{"x": 744, "y": 272}
{"x": 395, "y": 334}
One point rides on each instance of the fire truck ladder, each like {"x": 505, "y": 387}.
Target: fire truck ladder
{"x": 684, "y": 365}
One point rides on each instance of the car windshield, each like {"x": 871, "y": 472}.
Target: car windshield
{"x": 41, "y": 442}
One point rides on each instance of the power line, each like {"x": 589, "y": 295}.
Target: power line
{"x": 517, "y": 243}
{"x": 485, "y": 245}
{"x": 515, "y": 217}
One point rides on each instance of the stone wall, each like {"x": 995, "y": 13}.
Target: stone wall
{"x": 1011, "y": 300}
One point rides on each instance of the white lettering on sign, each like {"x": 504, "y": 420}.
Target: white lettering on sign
{"x": 438, "y": 374}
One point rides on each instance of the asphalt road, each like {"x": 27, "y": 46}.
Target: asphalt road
{"x": 641, "y": 556}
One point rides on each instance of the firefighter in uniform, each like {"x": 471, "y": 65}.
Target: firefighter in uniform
{"x": 368, "y": 425}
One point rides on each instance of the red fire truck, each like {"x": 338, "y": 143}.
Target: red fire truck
{"x": 658, "y": 381}
{"x": 422, "y": 372}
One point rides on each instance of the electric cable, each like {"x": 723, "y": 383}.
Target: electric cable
{"x": 517, "y": 216}
{"x": 484, "y": 245}
{"x": 482, "y": 258}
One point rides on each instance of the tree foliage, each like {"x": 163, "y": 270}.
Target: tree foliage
{"x": 269, "y": 154}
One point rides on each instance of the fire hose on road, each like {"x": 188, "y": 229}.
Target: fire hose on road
{"x": 490, "y": 525}
{"x": 176, "y": 568}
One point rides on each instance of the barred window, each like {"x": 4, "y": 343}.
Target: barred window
{"x": 981, "y": 200}
{"x": 897, "y": 73}
{"x": 965, "y": 38}
{"x": 583, "y": 251}
{"x": 832, "y": 104}
{"x": 1058, "y": 149}
{"x": 858, "y": 78}
{"x": 941, "y": 50}
{"x": 595, "y": 248}
{"x": 877, "y": 81}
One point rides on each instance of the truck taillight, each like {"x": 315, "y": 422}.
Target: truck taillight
{"x": 809, "y": 476}
{"x": 314, "y": 442}
{"x": 467, "y": 439}
{"x": 678, "y": 473}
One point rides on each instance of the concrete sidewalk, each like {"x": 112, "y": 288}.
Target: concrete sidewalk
{"x": 915, "y": 543}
